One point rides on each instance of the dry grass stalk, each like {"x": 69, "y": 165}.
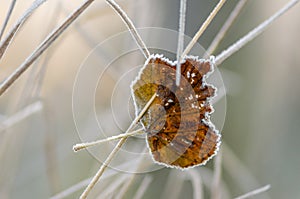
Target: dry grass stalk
{"x": 180, "y": 43}
{"x": 114, "y": 151}
{"x": 43, "y": 46}
{"x": 10, "y": 10}
{"x": 229, "y": 21}
{"x": 141, "y": 44}
{"x": 7, "y": 40}
{"x": 203, "y": 28}
{"x": 254, "y": 192}
{"x": 253, "y": 34}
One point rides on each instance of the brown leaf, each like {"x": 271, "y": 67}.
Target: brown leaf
{"x": 178, "y": 127}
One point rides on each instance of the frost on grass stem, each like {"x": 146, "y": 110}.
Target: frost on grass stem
{"x": 43, "y": 46}
{"x": 180, "y": 43}
{"x": 203, "y": 27}
{"x": 115, "y": 150}
{"x": 141, "y": 44}
{"x": 255, "y": 192}
{"x": 10, "y": 10}
{"x": 233, "y": 15}
{"x": 6, "y": 41}
{"x": 80, "y": 146}
{"x": 253, "y": 34}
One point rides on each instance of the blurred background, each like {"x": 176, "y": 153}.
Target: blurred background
{"x": 41, "y": 119}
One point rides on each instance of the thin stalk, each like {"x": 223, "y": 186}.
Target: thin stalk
{"x": 114, "y": 151}
{"x": 255, "y": 192}
{"x": 123, "y": 190}
{"x": 34, "y": 82}
{"x": 43, "y": 46}
{"x": 253, "y": 34}
{"x": 180, "y": 39}
{"x": 7, "y": 40}
{"x": 216, "y": 188}
{"x": 76, "y": 187}
{"x": 144, "y": 185}
{"x": 110, "y": 190}
{"x": 21, "y": 115}
{"x": 196, "y": 180}
{"x": 232, "y": 17}
{"x": 10, "y": 10}
{"x": 240, "y": 174}
{"x": 80, "y": 146}
{"x": 141, "y": 44}
{"x": 102, "y": 168}
{"x": 203, "y": 28}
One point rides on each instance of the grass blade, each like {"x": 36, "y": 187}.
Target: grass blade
{"x": 253, "y": 33}
{"x": 218, "y": 38}
{"x": 5, "y": 43}
{"x": 141, "y": 44}
{"x": 255, "y": 192}
{"x": 180, "y": 43}
{"x": 43, "y": 46}
{"x": 10, "y": 10}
